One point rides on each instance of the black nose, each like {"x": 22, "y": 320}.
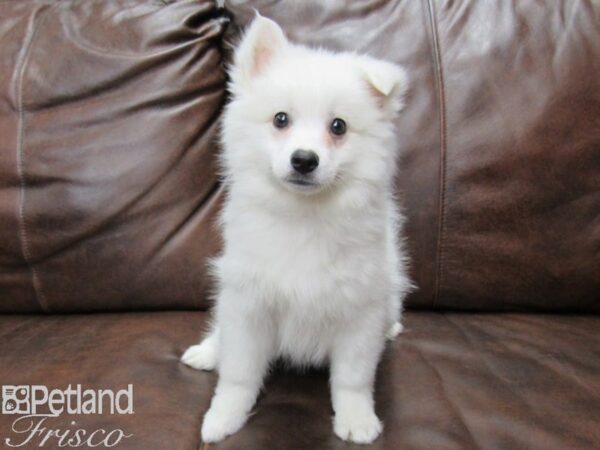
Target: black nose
{"x": 304, "y": 161}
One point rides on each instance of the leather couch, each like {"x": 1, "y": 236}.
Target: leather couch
{"x": 109, "y": 114}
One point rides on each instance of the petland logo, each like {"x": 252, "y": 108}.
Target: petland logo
{"x": 37, "y": 406}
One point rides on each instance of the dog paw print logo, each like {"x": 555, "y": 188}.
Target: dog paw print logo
{"x": 15, "y": 400}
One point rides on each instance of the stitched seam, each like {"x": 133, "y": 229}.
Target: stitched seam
{"x": 25, "y": 249}
{"x": 439, "y": 72}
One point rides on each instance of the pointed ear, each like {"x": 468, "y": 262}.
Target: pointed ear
{"x": 262, "y": 41}
{"x": 388, "y": 83}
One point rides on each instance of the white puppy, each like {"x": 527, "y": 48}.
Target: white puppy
{"x": 312, "y": 269}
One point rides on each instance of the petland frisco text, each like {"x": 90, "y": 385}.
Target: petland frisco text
{"x": 38, "y": 406}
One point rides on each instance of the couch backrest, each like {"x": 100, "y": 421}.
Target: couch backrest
{"x": 500, "y": 140}
{"x": 108, "y": 186}
{"x": 109, "y": 113}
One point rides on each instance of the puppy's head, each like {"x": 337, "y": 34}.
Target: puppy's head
{"x": 309, "y": 120}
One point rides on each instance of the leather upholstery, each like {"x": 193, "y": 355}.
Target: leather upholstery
{"x": 452, "y": 381}
{"x": 108, "y": 169}
{"x": 110, "y": 351}
{"x": 108, "y": 115}
{"x": 109, "y": 193}
{"x": 500, "y": 164}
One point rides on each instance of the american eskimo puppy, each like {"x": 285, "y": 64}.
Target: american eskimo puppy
{"x": 312, "y": 268}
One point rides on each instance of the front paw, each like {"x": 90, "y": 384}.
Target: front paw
{"x": 361, "y": 427}
{"x": 201, "y": 357}
{"x": 218, "y": 425}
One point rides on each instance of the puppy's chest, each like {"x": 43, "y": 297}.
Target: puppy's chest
{"x": 305, "y": 262}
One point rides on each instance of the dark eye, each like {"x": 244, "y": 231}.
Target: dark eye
{"x": 338, "y": 127}
{"x": 281, "y": 120}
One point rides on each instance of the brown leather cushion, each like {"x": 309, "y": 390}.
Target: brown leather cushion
{"x": 108, "y": 114}
{"x": 110, "y": 351}
{"x": 500, "y": 143}
{"x": 452, "y": 381}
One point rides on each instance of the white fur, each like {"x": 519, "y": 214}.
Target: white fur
{"x": 311, "y": 274}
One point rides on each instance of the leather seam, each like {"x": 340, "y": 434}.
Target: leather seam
{"x": 25, "y": 249}
{"x": 439, "y": 72}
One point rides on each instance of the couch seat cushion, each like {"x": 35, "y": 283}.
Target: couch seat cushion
{"x": 452, "y": 381}
{"x": 110, "y": 351}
